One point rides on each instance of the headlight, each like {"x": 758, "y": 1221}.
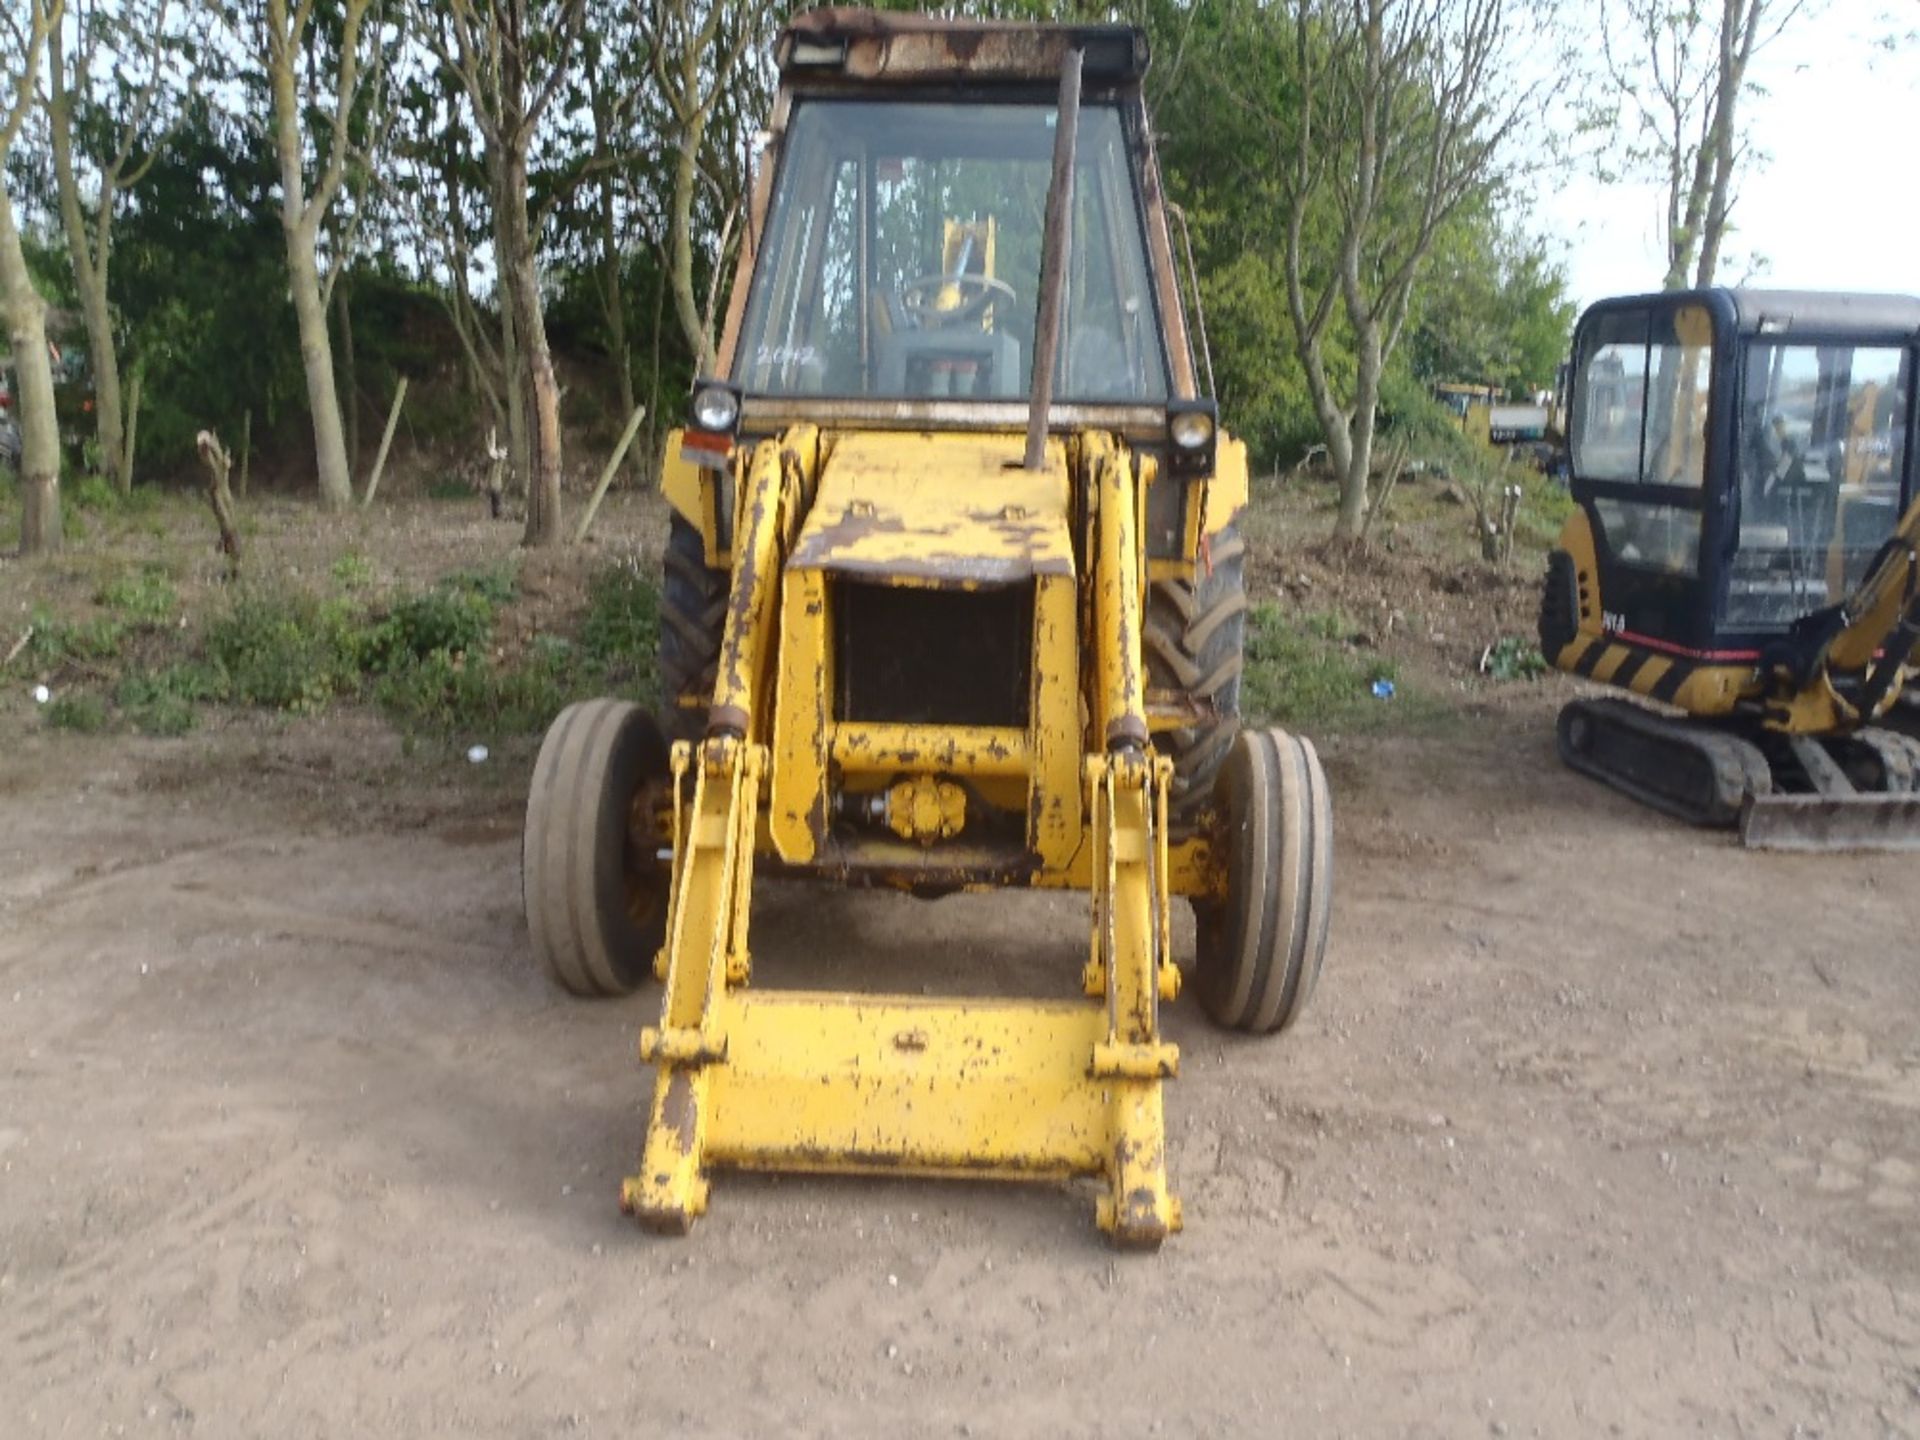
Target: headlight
{"x": 1191, "y": 435}
{"x": 716, "y": 407}
{"x": 1191, "y": 429}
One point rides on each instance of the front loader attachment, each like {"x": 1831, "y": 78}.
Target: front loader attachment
{"x": 1815, "y": 823}
{"x": 865, "y": 1083}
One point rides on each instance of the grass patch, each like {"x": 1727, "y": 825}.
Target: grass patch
{"x": 1303, "y": 672}
{"x": 427, "y": 658}
{"x": 622, "y": 626}
{"x": 352, "y": 571}
{"x": 145, "y": 598}
{"x": 59, "y": 643}
{"x": 82, "y": 712}
{"x": 167, "y": 701}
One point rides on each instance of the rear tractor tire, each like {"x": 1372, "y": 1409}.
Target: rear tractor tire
{"x": 1195, "y": 646}
{"x": 1261, "y": 948}
{"x": 592, "y": 881}
{"x": 693, "y": 615}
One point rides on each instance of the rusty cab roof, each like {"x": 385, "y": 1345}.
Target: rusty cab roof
{"x": 870, "y": 46}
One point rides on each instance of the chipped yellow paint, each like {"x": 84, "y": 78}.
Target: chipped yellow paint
{"x": 1228, "y": 490}
{"x": 840, "y": 1082}
{"x": 938, "y": 509}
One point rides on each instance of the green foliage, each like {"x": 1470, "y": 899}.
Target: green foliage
{"x": 1493, "y": 310}
{"x": 622, "y": 627}
{"x": 352, "y": 571}
{"x": 166, "y": 701}
{"x": 285, "y": 650}
{"x": 458, "y": 696}
{"x": 1303, "y": 671}
{"x": 496, "y": 586}
{"x": 446, "y": 620}
{"x": 58, "y": 643}
{"x": 81, "y": 712}
{"x": 1515, "y": 657}
{"x": 146, "y": 598}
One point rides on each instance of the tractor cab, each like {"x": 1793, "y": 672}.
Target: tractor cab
{"x": 1741, "y": 457}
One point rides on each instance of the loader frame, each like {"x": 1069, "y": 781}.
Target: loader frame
{"x": 824, "y": 1081}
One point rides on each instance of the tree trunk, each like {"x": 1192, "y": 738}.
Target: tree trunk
{"x": 514, "y": 383}
{"x": 301, "y": 224}
{"x": 89, "y": 268}
{"x": 1358, "y": 474}
{"x": 109, "y": 414}
{"x": 40, "y": 530}
{"x": 613, "y": 297}
{"x": 349, "y": 376}
{"x": 316, "y": 357}
{"x": 685, "y": 304}
{"x": 522, "y": 284}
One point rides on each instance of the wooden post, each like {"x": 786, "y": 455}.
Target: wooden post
{"x": 386, "y": 441}
{"x": 221, "y": 498}
{"x": 133, "y": 427}
{"x": 496, "y": 467}
{"x": 606, "y": 475}
{"x": 246, "y": 451}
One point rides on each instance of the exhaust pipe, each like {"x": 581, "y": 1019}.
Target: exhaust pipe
{"x": 1056, "y": 246}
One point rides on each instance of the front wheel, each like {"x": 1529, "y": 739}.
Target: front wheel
{"x": 592, "y": 881}
{"x": 1260, "y": 948}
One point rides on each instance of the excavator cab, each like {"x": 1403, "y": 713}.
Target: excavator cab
{"x": 1744, "y": 469}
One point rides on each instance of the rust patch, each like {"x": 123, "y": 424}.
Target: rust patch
{"x": 679, "y": 1112}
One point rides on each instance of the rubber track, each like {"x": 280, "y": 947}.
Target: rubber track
{"x": 1680, "y": 766}
{"x": 1898, "y": 756}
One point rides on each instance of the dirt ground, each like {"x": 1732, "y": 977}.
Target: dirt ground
{"x": 1596, "y": 1126}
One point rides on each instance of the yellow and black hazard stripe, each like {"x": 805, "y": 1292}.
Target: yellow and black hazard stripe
{"x": 1666, "y": 678}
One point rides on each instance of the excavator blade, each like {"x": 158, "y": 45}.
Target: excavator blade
{"x": 1831, "y": 822}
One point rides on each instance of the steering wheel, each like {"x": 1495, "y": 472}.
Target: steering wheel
{"x": 978, "y": 294}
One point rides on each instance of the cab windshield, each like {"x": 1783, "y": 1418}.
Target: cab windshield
{"x": 1822, "y": 464}
{"x": 902, "y": 258}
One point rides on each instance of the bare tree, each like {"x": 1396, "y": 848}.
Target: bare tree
{"x": 1391, "y": 115}
{"x": 25, "y": 38}
{"x": 1680, "y": 68}
{"x": 291, "y": 48}
{"x": 696, "y": 51}
{"x": 126, "y": 66}
{"x": 511, "y": 57}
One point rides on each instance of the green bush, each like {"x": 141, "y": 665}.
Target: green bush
{"x": 166, "y": 702}
{"x": 285, "y": 650}
{"x": 352, "y": 571}
{"x": 1515, "y": 657}
{"x": 464, "y": 696}
{"x": 447, "y": 621}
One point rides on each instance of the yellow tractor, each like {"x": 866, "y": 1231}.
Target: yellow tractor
{"x": 1745, "y": 556}
{"x": 952, "y": 600}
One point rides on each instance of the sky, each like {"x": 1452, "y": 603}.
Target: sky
{"x": 1835, "y": 207}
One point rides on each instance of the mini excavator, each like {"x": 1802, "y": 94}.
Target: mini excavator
{"x": 1744, "y": 556}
